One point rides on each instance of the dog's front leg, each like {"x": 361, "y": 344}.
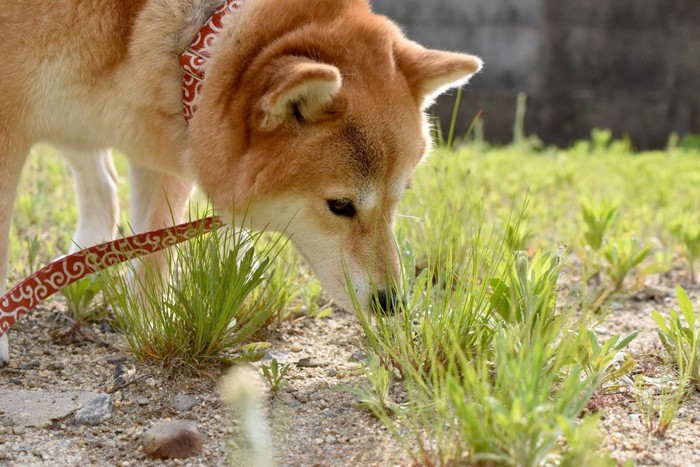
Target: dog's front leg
{"x": 13, "y": 153}
{"x": 96, "y": 190}
{"x": 157, "y": 200}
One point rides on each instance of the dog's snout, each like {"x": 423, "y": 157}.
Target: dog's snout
{"x": 387, "y": 301}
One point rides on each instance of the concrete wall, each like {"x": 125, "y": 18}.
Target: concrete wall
{"x": 629, "y": 65}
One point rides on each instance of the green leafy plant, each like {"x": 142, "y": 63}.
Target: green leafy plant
{"x": 598, "y": 220}
{"x": 314, "y": 300}
{"x": 623, "y": 255}
{"x": 274, "y": 374}
{"x": 518, "y": 237}
{"x": 687, "y": 232}
{"x": 80, "y": 298}
{"x": 505, "y": 405}
{"x": 527, "y": 291}
{"x": 375, "y": 398}
{"x": 681, "y": 341}
{"x": 607, "y": 363}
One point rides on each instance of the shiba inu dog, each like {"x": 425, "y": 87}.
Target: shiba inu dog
{"x": 308, "y": 113}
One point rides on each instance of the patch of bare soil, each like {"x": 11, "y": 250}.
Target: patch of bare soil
{"x": 312, "y": 424}
{"x": 623, "y": 421}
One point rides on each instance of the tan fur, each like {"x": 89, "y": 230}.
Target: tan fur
{"x": 304, "y": 101}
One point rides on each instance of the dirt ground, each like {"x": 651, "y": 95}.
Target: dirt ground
{"x": 313, "y": 424}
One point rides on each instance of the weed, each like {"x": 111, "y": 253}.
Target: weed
{"x": 659, "y": 402}
{"x": 203, "y": 310}
{"x": 314, "y": 300}
{"x": 376, "y": 398}
{"x": 526, "y": 293}
{"x": 274, "y": 374}
{"x": 80, "y": 298}
{"x": 687, "y": 231}
{"x": 505, "y": 405}
{"x": 682, "y": 342}
{"x": 598, "y": 221}
{"x": 608, "y": 362}
{"x": 622, "y": 256}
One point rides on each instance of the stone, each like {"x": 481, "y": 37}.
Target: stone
{"x": 294, "y": 403}
{"x": 38, "y": 408}
{"x": 96, "y": 411}
{"x": 183, "y": 402}
{"x": 172, "y": 439}
{"x": 281, "y": 357}
{"x": 140, "y": 400}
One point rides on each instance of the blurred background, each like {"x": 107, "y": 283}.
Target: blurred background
{"x": 632, "y": 66}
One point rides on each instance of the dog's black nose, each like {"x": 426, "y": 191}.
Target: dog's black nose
{"x": 386, "y": 302}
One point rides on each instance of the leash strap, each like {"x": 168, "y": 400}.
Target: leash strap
{"x": 195, "y": 57}
{"x": 64, "y": 271}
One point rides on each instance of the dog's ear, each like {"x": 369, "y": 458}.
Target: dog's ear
{"x": 301, "y": 90}
{"x": 432, "y": 72}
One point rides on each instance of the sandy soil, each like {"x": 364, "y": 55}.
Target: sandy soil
{"x": 314, "y": 425}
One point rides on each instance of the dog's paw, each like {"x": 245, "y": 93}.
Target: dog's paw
{"x": 4, "y": 350}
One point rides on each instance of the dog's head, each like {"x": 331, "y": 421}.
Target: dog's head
{"x": 312, "y": 118}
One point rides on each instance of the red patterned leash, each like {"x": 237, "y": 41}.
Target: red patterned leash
{"x": 63, "y": 272}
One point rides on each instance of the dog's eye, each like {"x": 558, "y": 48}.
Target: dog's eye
{"x": 342, "y": 207}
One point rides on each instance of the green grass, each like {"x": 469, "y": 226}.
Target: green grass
{"x": 205, "y": 306}
{"x": 513, "y": 256}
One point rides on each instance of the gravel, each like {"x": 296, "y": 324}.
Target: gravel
{"x": 311, "y": 424}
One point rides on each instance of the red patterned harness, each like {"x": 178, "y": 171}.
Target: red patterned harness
{"x": 61, "y": 273}
{"x": 197, "y": 54}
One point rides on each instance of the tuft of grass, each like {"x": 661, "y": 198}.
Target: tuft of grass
{"x": 204, "y": 309}
{"x": 488, "y": 366}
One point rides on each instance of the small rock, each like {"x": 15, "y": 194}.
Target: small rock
{"x": 302, "y": 397}
{"x": 332, "y": 373}
{"x": 19, "y": 430}
{"x": 30, "y": 366}
{"x": 96, "y": 411}
{"x": 116, "y": 359}
{"x": 358, "y": 357}
{"x": 330, "y": 439}
{"x": 296, "y": 347}
{"x": 150, "y": 382}
{"x": 172, "y": 440}
{"x": 294, "y": 403}
{"x": 140, "y": 400}
{"x": 308, "y": 362}
{"x": 183, "y": 402}
{"x": 281, "y": 357}
{"x": 55, "y": 366}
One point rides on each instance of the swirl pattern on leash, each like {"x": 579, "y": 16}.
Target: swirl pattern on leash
{"x": 44, "y": 283}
